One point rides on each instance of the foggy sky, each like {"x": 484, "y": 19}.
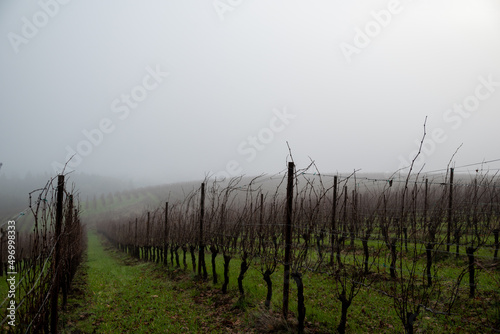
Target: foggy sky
{"x": 179, "y": 89}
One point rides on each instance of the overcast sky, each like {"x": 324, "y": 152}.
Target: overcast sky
{"x": 171, "y": 90}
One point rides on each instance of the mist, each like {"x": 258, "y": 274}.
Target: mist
{"x": 154, "y": 92}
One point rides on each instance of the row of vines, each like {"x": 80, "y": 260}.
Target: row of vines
{"x": 40, "y": 264}
{"x": 355, "y": 230}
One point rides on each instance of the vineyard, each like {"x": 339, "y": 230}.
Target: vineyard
{"x": 306, "y": 252}
{"x": 425, "y": 244}
{"x": 40, "y": 264}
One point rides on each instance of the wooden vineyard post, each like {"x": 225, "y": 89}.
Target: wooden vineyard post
{"x": 288, "y": 238}
{"x": 201, "y": 254}
{"x": 450, "y": 211}
{"x": 344, "y": 218}
{"x": 353, "y": 214}
{"x": 334, "y": 217}
{"x": 146, "y": 246}
{"x": 128, "y": 236}
{"x": 165, "y": 242}
{"x": 136, "y": 246}
{"x": 57, "y": 255}
{"x": 261, "y": 221}
{"x": 426, "y": 205}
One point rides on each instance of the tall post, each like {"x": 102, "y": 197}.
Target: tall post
{"x": 426, "y": 205}
{"x": 146, "y": 246}
{"x": 334, "y": 216}
{"x": 344, "y": 218}
{"x": 288, "y": 237}
{"x": 353, "y": 215}
{"x": 261, "y": 221}
{"x": 201, "y": 254}
{"x": 165, "y": 238}
{"x": 136, "y": 246}
{"x": 450, "y": 211}
{"x": 57, "y": 255}
{"x": 128, "y": 236}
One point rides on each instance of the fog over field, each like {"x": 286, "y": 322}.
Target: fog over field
{"x": 237, "y": 166}
{"x": 153, "y": 92}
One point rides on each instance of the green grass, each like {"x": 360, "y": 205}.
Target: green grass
{"x": 371, "y": 311}
{"x": 114, "y": 293}
{"x": 120, "y": 294}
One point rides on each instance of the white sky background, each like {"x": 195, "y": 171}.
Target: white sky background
{"x": 227, "y": 76}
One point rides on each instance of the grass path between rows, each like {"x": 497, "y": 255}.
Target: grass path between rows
{"x": 113, "y": 293}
